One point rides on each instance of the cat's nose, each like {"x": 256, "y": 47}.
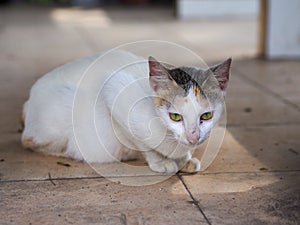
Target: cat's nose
{"x": 193, "y": 136}
{"x": 193, "y": 139}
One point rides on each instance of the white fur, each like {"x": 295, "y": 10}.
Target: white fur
{"x": 107, "y": 114}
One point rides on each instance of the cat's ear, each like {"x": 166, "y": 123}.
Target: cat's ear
{"x": 159, "y": 76}
{"x": 221, "y": 72}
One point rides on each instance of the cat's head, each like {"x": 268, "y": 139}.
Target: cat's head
{"x": 189, "y": 100}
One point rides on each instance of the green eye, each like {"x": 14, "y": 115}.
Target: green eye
{"x": 175, "y": 116}
{"x": 206, "y": 116}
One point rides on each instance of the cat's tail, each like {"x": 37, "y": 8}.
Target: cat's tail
{"x": 27, "y": 140}
{"x": 22, "y": 118}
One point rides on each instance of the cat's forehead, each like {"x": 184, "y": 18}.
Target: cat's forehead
{"x": 202, "y": 82}
{"x": 189, "y": 89}
{"x": 188, "y": 77}
{"x": 192, "y": 101}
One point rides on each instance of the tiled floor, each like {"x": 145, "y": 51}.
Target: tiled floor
{"x": 254, "y": 179}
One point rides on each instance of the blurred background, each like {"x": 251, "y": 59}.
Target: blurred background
{"x": 73, "y": 28}
{"x": 214, "y": 29}
{"x": 39, "y": 35}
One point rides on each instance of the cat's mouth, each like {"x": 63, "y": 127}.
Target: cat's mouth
{"x": 182, "y": 140}
{"x": 185, "y": 142}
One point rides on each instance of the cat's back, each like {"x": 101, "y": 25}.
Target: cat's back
{"x": 66, "y": 75}
{"x": 61, "y": 83}
{"x": 47, "y": 114}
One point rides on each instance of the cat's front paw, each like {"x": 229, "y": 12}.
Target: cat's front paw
{"x": 167, "y": 166}
{"x": 191, "y": 166}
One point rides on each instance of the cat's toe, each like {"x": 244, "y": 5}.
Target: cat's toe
{"x": 191, "y": 166}
{"x": 166, "y": 166}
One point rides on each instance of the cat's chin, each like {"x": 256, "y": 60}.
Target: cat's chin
{"x": 188, "y": 144}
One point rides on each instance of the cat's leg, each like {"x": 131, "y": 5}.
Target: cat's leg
{"x": 127, "y": 154}
{"x": 193, "y": 165}
{"x": 159, "y": 163}
{"x": 187, "y": 164}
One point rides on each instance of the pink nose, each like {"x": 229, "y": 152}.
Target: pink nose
{"x": 193, "y": 136}
{"x": 193, "y": 139}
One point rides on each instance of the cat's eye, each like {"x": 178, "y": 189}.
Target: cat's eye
{"x": 206, "y": 116}
{"x": 175, "y": 117}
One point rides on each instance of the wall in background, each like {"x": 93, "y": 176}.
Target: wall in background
{"x": 187, "y": 9}
{"x": 283, "y": 29}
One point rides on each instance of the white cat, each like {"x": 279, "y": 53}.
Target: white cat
{"x": 145, "y": 107}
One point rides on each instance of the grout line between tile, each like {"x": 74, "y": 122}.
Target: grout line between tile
{"x": 181, "y": 175}
{"x": 195, "y": 202}
{"x": 75, "y": 178}
{"x": 266, "y": 90}
{"x": 245, "y": 172}
{"x": 49, "y": 179}
{"x": 263, "y": 125}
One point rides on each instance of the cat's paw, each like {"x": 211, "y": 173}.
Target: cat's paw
{"x": 167, "y": 166}
{"x": 191, "y": 166}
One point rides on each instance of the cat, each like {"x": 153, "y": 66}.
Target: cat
{"x": 176, "y": 109}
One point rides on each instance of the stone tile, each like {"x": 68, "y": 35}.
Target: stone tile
{"x": 39, "y": 56}
{"x": 280, "y": 77}
{"x": 248, "y": 105}
{"x": 96, "y": 201}
{"x": 268, "y": 148}
{"x": 247, "y": 198}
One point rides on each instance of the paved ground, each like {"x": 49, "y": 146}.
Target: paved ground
{"x": 254, "y": 179}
